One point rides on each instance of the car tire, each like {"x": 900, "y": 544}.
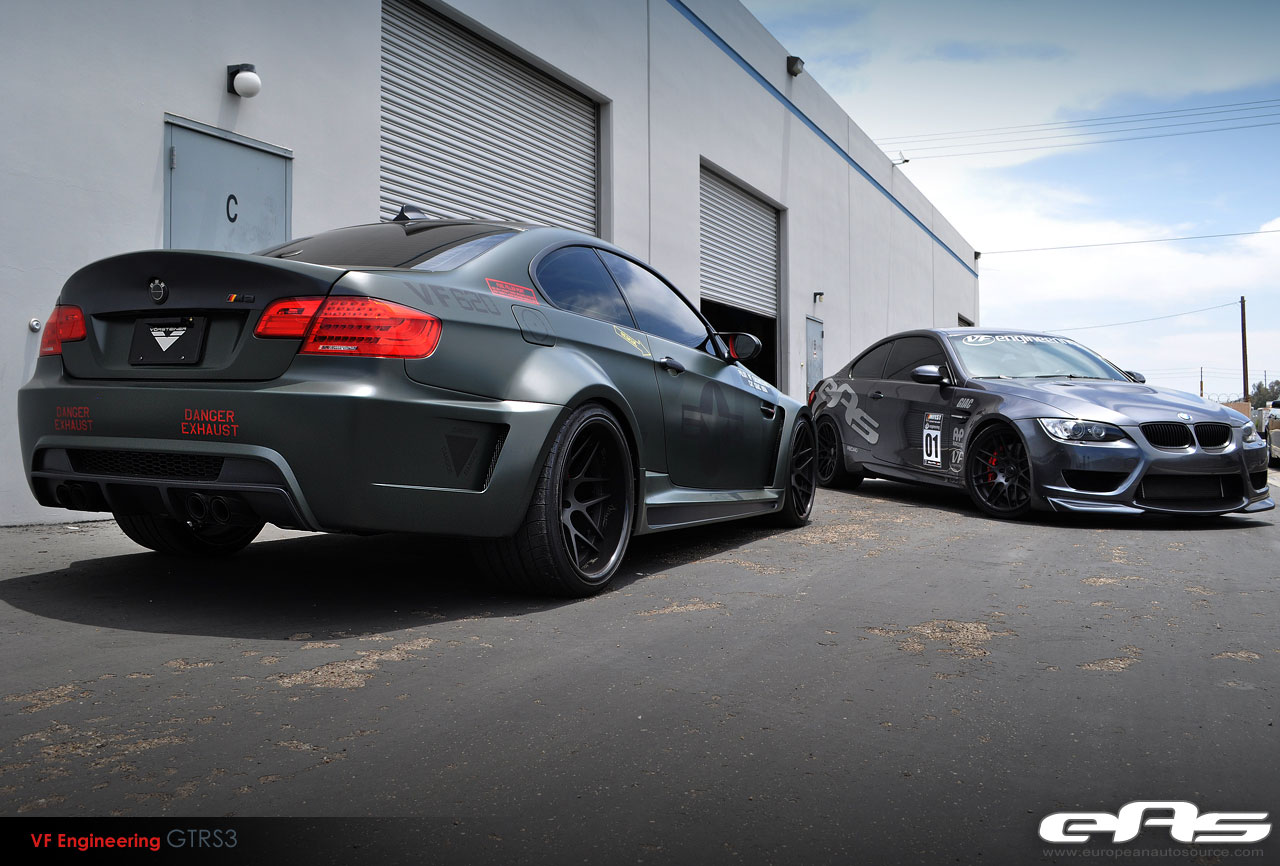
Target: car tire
{"x": 998, "y": 472}
{"x": 802, "y": 476}
{"x": 830, "y": 457}
{"x": 177, "y": 538}
{"x": 579, "y": 523}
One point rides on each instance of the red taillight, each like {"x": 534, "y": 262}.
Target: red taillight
{"x": 288, "y": 318}
{"x": 352, "y": 325}
{"x": 65, "y": 325}
{"x": 371, "y": 328}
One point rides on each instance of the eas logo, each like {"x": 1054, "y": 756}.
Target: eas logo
{"x": 1186, "y": 824}
{"x": 979, "y": 340}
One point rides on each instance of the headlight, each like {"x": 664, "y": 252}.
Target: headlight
{"x": 1075, "y": 430}
{"x": 1250, "y": 433}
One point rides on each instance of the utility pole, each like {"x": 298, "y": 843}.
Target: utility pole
{"x": 1244, "y": 351}
{"x": 1202, "y": 381}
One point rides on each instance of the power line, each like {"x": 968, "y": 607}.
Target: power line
{"x": 1125, "y": 243}
{"x": 1057, "y": 127}
{"x": 1083, "y": 134}
{"x": 1087, "y": 120}
{"x": 1107, "y": 141}
{"x": 1140, "y": 321}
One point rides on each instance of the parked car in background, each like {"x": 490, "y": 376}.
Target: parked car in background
{"x": 531, "y": 386}
{"x": 1270, "y": 426}
{"x": 1026, "y": 420}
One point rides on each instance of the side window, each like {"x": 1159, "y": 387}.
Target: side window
{"x": 658, "y": 309}
{"x": 911, "y": 352}
{"x": 871, "y": 364}
{"x": 574, "y": 279}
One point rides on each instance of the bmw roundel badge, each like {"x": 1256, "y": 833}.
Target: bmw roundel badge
{"x": 159, "y": 291}
{"x": 1184, "y": 416}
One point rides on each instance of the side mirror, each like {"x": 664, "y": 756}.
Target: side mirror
{"x": 929, "y": 374}
{"x": 1137, "y": 377}
{"x": 742, "y": 347}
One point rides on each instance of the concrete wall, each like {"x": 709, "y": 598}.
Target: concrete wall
{"x": 82, "y": 160}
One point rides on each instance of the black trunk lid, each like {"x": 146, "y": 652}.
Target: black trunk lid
{"x": 167, "y": 314}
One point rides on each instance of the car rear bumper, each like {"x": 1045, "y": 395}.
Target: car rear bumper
{"x": 333, "y": 447}
{"x": 1130, "y": 476}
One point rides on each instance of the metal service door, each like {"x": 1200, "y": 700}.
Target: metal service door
{"x": 813, "y": 334}
{"x": 225, "y": 192}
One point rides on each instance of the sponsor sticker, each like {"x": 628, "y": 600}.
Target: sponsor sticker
{"x": 933, "y": 439}
{"x": 751, "y": 380}
{"x": 992, "y": 339}
{"x": 512, "y": 290}
{"x": 856, "y": 418}
{"x": 639, "y": 347}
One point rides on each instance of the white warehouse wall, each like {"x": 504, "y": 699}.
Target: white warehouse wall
{"x": 82, "y": 164}
{"x": 82, "y": 158}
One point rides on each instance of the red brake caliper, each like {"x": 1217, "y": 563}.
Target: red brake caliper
{"x": 991, "y": 476}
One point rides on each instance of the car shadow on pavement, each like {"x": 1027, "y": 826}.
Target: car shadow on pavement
{"x": 321, "y": 585}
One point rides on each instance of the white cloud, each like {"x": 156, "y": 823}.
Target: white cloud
{"x": 909, "y": 67}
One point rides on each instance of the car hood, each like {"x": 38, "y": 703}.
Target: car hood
{"x": 1121, "y": 403}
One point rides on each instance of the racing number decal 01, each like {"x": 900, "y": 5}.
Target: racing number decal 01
{"x": 933, "y": 439}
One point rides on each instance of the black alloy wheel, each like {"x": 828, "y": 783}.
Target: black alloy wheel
{"x": 579, "y": 523}
{"x": 595, "y": 499}
{"x": 831, "y": 471}
{"x": 802, "y": 476}
{"x": 998, "y": 472}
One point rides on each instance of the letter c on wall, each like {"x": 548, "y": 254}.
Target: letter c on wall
{"x": 232, "y": 217}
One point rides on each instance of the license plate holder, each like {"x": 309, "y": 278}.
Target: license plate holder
{"x": 176, "y": 340}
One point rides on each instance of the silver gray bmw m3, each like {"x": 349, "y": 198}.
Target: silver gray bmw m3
{"x": 1033, "y": 421}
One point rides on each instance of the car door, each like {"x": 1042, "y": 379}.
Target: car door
{"x": 721, "y": 421}
{"x": 575, "y": 280}
{"x": 846, "y": 398}
{"x": 918, "y": 415}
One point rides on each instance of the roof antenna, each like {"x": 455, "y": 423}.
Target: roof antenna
{"x": 409, "y": 212}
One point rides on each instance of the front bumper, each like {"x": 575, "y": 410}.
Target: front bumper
{"x": 334, "y": 447}
{"x": 1131, "y": 476}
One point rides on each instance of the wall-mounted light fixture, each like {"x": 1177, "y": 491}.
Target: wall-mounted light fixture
{"x": 242, "y": 80}
{"x": 818, "y": 296}
{"x": 901, "y": 160}
{"x": 794, "y": 65}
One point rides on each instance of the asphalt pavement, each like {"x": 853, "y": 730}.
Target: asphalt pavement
{"x": 902, "y": 681}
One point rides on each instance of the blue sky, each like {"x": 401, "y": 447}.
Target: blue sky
{"x": 915, "y": 67}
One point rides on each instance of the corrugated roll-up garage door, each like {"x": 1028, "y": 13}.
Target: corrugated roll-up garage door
{"x": 739, "y": 248}
{"x": 471, "y": 131}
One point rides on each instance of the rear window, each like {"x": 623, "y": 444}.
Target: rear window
{"x": 426, "y": 246}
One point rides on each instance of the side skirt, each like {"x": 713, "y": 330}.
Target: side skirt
{"x": 666, "y": 506}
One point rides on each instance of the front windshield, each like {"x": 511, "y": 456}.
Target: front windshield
{"x": 1030, "y": 356}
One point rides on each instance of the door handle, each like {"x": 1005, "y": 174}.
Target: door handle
{"x": 671, "y": 364}
{"x": 876, "y": 395}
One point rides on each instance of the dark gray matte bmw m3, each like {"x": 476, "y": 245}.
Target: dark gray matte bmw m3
{"x": 532, "y": 386}
{"x": 1025, "y": 421}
